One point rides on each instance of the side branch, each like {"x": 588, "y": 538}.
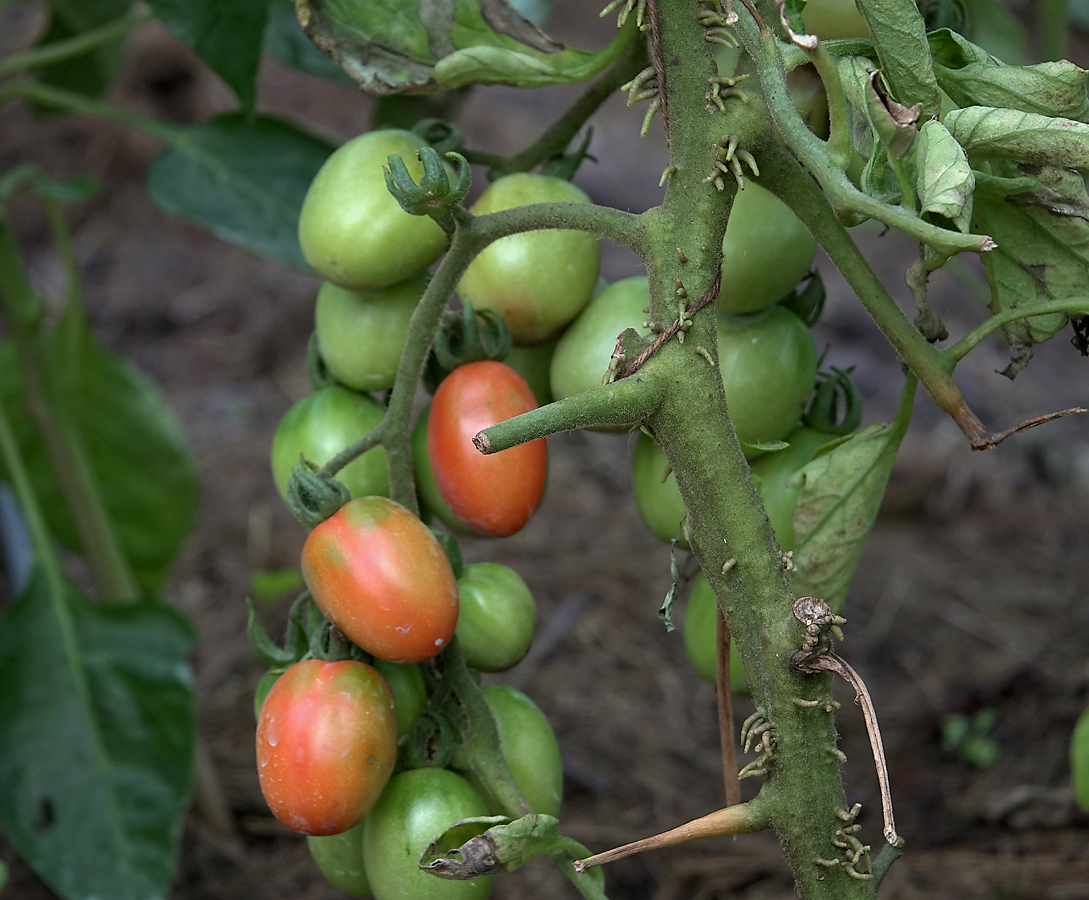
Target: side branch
{"x": 626, "y": 402}
{"x": 623, "y": 227}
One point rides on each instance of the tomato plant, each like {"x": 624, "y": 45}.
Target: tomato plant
{"x": 352, "y": 231}
{"x": 319, "y": 426}
{"x": 415, "y": 808}
{"x": 361, "y": 333}
{"x": 769, "y": 368}
{"x": 656, "y": 494}
{"x": 700, "y": 630}
{"x": 538, "y": 282}
{"x": 379, "y": 574}
{"x": 495, "y": 495}
{"x": 495, "y": 624}
{"x": 431, "y": 499}
{"x": 326, "y": 744}
{"x": 529, "y": 747}
{"x": 409, "y": 691}
{"x": 766, "y": 250}
{"x": 834, "y": 19}
{"x": 340, "y": 859}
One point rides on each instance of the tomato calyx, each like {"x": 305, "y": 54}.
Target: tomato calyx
{"x": 313, "y": 498}
{"x": 434, "y": 196}
{"x": 808, "y": 303}
{"x": 316, "y": 369}
{"x": 465, "y": 337}
{"x": 565, "y": 165}
{"x": 823, "y": 408}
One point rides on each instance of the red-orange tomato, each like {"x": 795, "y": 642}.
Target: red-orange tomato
{"x": 380, "y": 575}
{"x": 495, "y": 494}
{"x": 326, "y": 744}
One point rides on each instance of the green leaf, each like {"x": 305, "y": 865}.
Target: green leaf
{"x": 228, "y": 36}
{"x": 97, "y": 725}
{"x": 285, "y": 40}
{"x": 899, "y": 37}
{"x": 399, "y": 47}
{"x": 95, "y": 70}
{"x": 1042, "y": 254}
{"x": 972, "y": 77}
{"x": 945, "y": 180}
{"x": 1079, "y": 760}
{"x": 137, "y": 452}
{"x": 991, "y": 133}
{"x": 838, "y": 503}
{"x": 242, "y": 179}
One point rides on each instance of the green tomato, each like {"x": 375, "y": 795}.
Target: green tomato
{"x": 431, "y": 499}
{"x": 778, "y": 486}
{"x": 352, "y": 230}
{"x": 409, "y": 692}
{"x": 658, "y": 501}
{"x": 583, "y": 353}
{"x": 496, "y": 616}
{"x": 529, "y": 747}
{"x": 833, "y": 19}
{"x": 262, "y": 689}
{"x": 769, "y": 367}
{"x": 534, "y": 364}
{"x": 319, "y": 427}
{"x": 540, "y": 280}
{"x": 340, "y": 859}
{"x": 699, "y": 637}
{"x": 361, "y": 333}
{"x": 765, "y": 252}
{"x": 414, "y": 809}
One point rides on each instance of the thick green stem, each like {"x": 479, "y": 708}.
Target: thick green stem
{"x": 71, "y": 48}
{"x": 48, "y": 409}
{"x": 626, "y": 402}
{"x": 561, "y": 132}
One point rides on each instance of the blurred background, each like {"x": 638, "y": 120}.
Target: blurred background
{"x": 967, "y": 618}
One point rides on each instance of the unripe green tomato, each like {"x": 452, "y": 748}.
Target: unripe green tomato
{"x": 262, "y": 689}
{"x": 765, "y": 252}
{"x": 409, "y": 692}
{"x": 700, "y": 624}
{"x": 340, "y": 859}
{"x": 319, "y": 427}
{"x": 352, "y": 230}
{"x": 495, "y": 618}
{"x": 769, "y": 367}
{"x": 833, "y": 19}
{"x": 659, "y": 502}
{"x": 361, "y": 333}
{"x": 431, "y": 498}
{"x": 778, "y": 487}
{"x": 529, "y": 746}
{"x": 534, "y": 364}
{"x": 540, "y": 280}
{"x": 583, "y": 353}
{"x": 414, "y": 809}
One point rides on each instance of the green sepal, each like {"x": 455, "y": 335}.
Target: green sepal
{"x": 465, "y": 337}
{"x": 434, "y": 196}
{"x": 319, "y": 373}
{"x": 565, "y": 165}
{"x": 808, "y": 303}
{"x": 262, "y": 645}
{"x": 821, "y": 414}
{"x": 313, "y": 498}
{"x": 444, "y": 137}
{"x": 431, "y": 744}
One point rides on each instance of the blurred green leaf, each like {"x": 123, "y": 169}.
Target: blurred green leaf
{"x": 270, "y": 585}
{"x": 945, "y": 180}
{"x": 995, "y": 28}
{"x": 838, "y": 504}
{"x": 243, "y": 179}
{"x": 227, "y": 36}
{"x": 95, "y": 70}
{"x": 137, "y": 452}
{"x": 421, "y": 46}
{"x": 97, "y": 726}
{"x": 971, "y": 77}
{"x": 285, "y": 40}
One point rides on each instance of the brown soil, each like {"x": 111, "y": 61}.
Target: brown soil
{"x": 970, "y": 595}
